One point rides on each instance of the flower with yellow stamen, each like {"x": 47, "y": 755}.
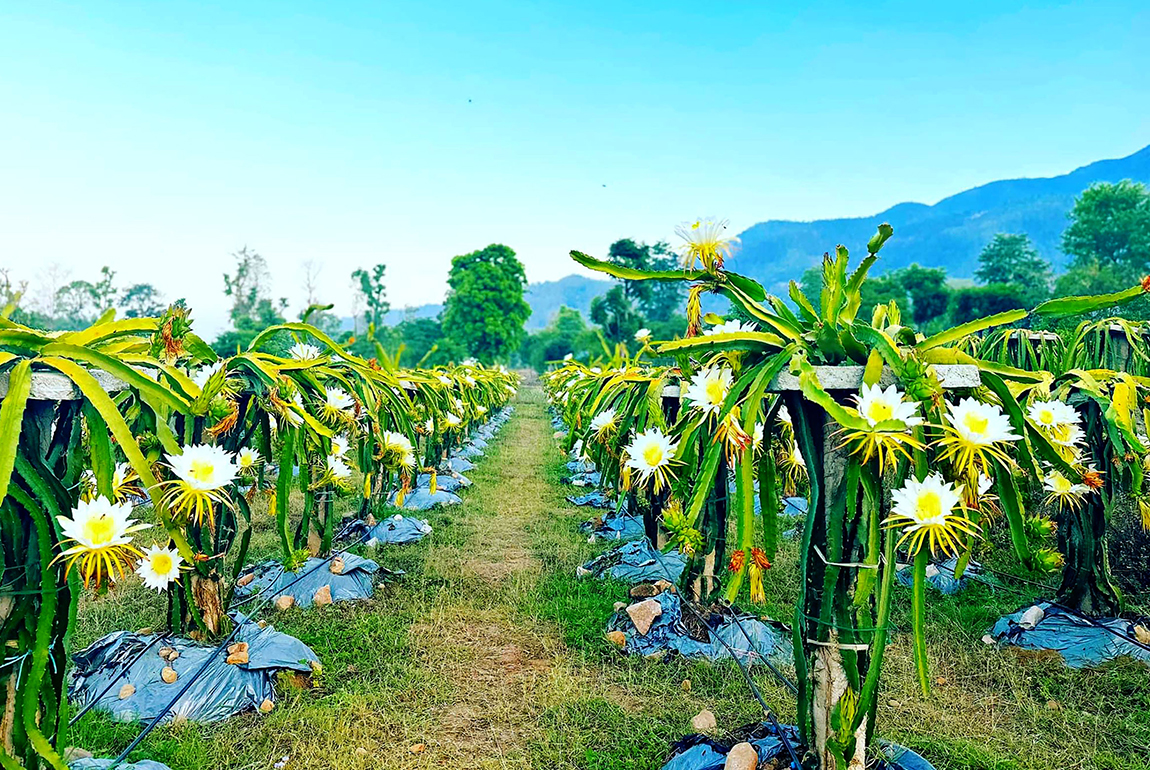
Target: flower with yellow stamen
{"x": 731, "y": 432}
{"x": 974, "y": 434}
{"x": 394, "y": 448}
{"x": 202, "y": 473}
{"x": 704, "y": 241}
{"x": 1063, "y": 491}
{"x": 303, "y": 351}
{"x": 650, "y": 455}
{"x": 709, "y": 388}
{"x": 247, "y": 460}
{"x": 925, "y": 511}
{"x": 339, "y": 445}
{"x": 100, "y": 532}
{"x": 604, "y": 423}
{"x": 159, "y": 567}
{"x": 338, "y": 404}
{"x": 125, "y": 484}
{"x": 884, "y": 407}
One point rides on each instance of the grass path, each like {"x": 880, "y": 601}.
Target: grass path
{"x": 489, "y": 654}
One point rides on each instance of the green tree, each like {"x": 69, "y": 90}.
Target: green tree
{"x": 252, "y": 309}
{"x": 616, "y": 316}
{"x": 485, "y": 310}
{"x": 665, "y": 298}
{"x": 1109, "y": 232}
{"x": 141, "y": 300}
{"x": 980, "y": 301}
{"x": 927, "y": 289}
{"x": 567, "y": 333}
{"x": 625, "y": 252}
{"x": 1012, "y": 259}
{"x": 371, "y": 288}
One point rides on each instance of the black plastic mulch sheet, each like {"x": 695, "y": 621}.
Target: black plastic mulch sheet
{"x": 700, "y": 752}
{"x": 1081, "y": 641}
{"x": 222, "y": 690}
{"x": 750, "y": 638}
{"x": 271, "y": 580}
{"x": 636, "y": 562}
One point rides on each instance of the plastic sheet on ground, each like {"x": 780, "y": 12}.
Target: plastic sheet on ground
{"x": 91, "y": 763}
{"x": 449, "y": 482}
{"x": 613, "y": 526}
{"x": 700, "y": 752}
{"x": 594, "y": 499}
{"x": 422, "y": 499}
{"x": 221, "y": 691}
{"x": 751, "y": 639}
{"x": 469, "y": 451}
{"x": 636, "y": 562}
{"x": 941, "y": 576}
{"x": 576, "y": 467}
{"x": 589, "y": 479}
{"x": 270, "y": 580}
{"x": 457, "y": 465}
{"x": 398, "y": 530}
{"x": 1082, "y": 642}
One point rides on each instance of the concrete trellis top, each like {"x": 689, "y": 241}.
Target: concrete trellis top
{"x": 53, "y": 386}
{"x": 850, "y": 378}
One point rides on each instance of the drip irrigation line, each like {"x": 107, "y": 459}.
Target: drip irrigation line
{"x": 791, "y": 686}
{"x": 212, "y": 656}
{"x": 127, "y": 667}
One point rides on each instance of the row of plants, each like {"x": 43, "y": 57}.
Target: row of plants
{"x": 142, "y": 411}
{"x": 908, "y": 447}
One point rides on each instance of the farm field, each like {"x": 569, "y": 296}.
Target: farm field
{"x": 490, "y": 653}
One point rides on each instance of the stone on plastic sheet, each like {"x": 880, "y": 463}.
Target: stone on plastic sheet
{"x": 643, "y": 614}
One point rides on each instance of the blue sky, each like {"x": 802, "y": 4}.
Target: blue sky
{"x": 159, "y": 137}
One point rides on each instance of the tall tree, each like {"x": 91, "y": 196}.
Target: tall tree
{"x": 485, "y": 310}
{"x": 373, "y": 292}
{"x": 1012, "y": 259}
{"x": 625, "y": 252}
{"x": 141, "y": 300}
{"x": 253, "y": 309}
{"x": 1110, "y": 231}
{"x": 665, "y": 298}
{"x": 927, "y": 289}
{"x": 616, "y": 315}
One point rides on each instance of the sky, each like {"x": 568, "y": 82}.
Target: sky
{"x": 158, "y": 138}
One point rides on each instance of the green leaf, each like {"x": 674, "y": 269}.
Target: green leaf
{"x": 11, "y": 420}
{"x": 748, "y": 286}
{"x": 956, "y": 333}
{"x": 885, "y": 231}
{"x": 120, "y": 371}
{"x": 1076, "y": 305}
{"x": 631, "y": 274}
{"x": 726, "y": 341}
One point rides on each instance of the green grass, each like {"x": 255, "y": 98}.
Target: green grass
{"x": 490, "y": 653}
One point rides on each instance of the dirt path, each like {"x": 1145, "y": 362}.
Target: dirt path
{"x": 498, "y": 670}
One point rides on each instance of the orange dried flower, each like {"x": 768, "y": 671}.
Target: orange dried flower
{"x": 738, "y": 559}
{"x": 759, "y": 557}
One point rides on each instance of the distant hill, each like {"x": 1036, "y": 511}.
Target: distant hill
{"x": 545, "y": 299}
{"x": 950, "y": 234}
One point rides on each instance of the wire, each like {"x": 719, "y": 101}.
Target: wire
{"x": 684, "y": 602}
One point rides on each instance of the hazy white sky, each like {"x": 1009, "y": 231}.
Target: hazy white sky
{"x": 158, "y": 138}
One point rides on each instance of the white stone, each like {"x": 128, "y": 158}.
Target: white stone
{"x": 1032, "y": 617}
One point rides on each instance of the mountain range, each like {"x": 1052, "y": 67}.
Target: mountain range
{"x": 949, "y": 234}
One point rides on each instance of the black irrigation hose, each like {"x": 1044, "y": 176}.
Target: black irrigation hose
{"x": 127, "y": 667}
{"x": 211, "y": 657}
